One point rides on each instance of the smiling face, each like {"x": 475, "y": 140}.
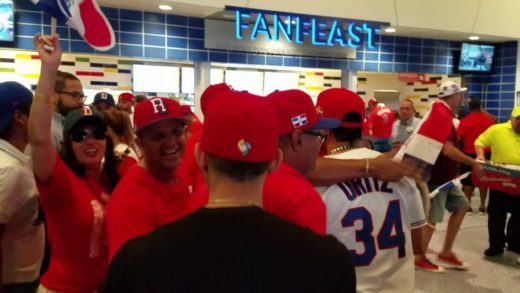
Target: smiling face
{"x": 162, "y": 144}
{"x": 88, "y": 144}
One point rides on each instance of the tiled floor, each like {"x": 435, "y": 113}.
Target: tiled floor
{"x": 498, "y": 274}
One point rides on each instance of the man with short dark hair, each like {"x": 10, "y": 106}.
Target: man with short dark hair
{"x": 70, "y": 96}
{"x": 21, "y": 235}
{"x": 232, "y": 245}
{"x": 469, "y": 129}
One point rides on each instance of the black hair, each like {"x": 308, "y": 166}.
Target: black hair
{"x": 109, "y": 166}
{"x": 61, "y": 77}
{"x": 7, "y": 131}
{"x": 237, "y": 170}
{"x": 348, "y": 134}
{"x": 474, "y": 104}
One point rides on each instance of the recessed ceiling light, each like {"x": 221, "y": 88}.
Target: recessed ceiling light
{"x": 390, "y": 30}
{"x": 474, "y": 38}
{"x": 165, "y": 7}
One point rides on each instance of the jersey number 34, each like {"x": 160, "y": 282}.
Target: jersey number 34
{"x": 390, "y": 235}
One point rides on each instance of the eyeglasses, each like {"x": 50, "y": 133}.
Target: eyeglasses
{"x": 83, "y": 135}
{"x": 75, "y": 95}
{"x": 322, "y": 135}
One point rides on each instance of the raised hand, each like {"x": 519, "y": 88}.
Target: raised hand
{"x": 49, "y": 50}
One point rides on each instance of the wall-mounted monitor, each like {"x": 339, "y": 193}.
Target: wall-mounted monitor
{"x": 156, "y": 79}
{"x": 6, "y": 21}
{"x": 476, "y": 57}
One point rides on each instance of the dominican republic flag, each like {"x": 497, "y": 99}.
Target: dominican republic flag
{"x": 299, "y": 121}
{"x": 450, "y": 184}
{"x": 423, "y": 147}
{"x": 84, "y": 16}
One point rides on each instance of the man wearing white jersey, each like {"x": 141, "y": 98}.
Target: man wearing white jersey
{"x": 376, "y": 220}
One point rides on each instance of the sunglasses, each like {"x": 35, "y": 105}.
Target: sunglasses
{"x": 83, "y": 135}
{"x": 322, "y": 135}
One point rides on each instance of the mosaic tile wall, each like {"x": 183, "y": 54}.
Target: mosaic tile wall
{"x": 163, "y": 36}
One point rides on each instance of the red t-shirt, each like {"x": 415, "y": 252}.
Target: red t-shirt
{"x": 381, "y": 120}
{"x": 189, "y": 165}
{"x": 140, "y": 203}
{"x": 75, "y": 222}
{"x": 288, "y": 195}
{"x": 471, "y": 127}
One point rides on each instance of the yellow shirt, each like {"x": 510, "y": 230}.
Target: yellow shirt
{"x": 504, "y": 143}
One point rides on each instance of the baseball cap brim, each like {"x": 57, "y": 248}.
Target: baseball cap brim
{"x": 461, "y": 90}
{"x": 93, "y": 120}
{"x": 326, "y": 123}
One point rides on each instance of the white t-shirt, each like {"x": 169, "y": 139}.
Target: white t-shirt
{"x": 374, "y": 219}
{"x": 22, "y": 241}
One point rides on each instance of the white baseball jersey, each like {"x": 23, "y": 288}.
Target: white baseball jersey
{"x": 374, "y": 219}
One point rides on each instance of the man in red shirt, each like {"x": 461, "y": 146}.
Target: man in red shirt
{"x": 153, "y": 192}
{"x": 380, "y": 123}
{"x": 287, "y": 194}
{"x": 469, "y": 129}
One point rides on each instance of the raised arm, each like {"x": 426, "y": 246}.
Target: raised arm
{"x": 332, "y": 171}
{"x": 42, "y": 150}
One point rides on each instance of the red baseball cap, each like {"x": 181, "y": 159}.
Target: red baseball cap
{"x": 129, "y": 97}
{"x": 240, "y": 127}
{"x": 186, "y": 109}
{"x": 156, "y": 109}
{"x": 295, "y": 110}
{"x": 337, "y": 102}
{"x": 210, "y": 92}
{"x": 372, "y": 102}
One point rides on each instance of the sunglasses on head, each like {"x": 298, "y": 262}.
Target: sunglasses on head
{"x": 84, "y": 134}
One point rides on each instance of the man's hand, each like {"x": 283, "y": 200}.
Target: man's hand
{"x": 386, "y": 169}
{"x": 478, "y": 170}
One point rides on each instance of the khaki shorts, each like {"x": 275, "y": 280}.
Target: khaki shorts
{"x": 452, "y": 200}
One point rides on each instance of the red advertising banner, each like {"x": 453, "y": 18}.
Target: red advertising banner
{"x": 505, "y": 178}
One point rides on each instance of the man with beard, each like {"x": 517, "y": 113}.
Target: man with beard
{"x": 70, "y": 96}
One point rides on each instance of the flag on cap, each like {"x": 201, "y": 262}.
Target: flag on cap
{"x": 85, "y": 17}
{"x": 423, "y": 147}
{"x": 299, "y": 121}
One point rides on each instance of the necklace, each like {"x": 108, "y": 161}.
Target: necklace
{"x": 339, "y": 149}
{"x": 231, "y": 202}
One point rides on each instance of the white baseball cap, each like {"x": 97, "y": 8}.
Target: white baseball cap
{"x": 449, "y": 88}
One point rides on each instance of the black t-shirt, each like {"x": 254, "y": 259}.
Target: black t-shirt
{"x": 231, "y": 250}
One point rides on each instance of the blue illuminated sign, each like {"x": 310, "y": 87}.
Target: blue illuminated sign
{"x": 303, "y": 29}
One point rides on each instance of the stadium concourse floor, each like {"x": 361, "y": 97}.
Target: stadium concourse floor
{"x": 497, "y": 274}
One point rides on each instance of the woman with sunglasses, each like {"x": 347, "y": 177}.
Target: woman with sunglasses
{"x": 74, "y": 187}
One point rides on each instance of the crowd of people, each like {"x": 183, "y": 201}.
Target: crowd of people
{"x": 268, "y": 194}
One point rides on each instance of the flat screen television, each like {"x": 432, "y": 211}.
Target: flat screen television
{"x": 476, "y": 57}
{"x": 6, "y": 21}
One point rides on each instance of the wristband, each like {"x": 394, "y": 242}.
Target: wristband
{"x": 367, "y": 167}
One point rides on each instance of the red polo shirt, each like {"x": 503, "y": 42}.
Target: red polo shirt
{"x": 140, "y": 203}
{"x": 471, "y": 127}
{"x": 288, "y": 195}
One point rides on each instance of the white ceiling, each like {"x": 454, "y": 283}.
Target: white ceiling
{"x": 492, "y": 20}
